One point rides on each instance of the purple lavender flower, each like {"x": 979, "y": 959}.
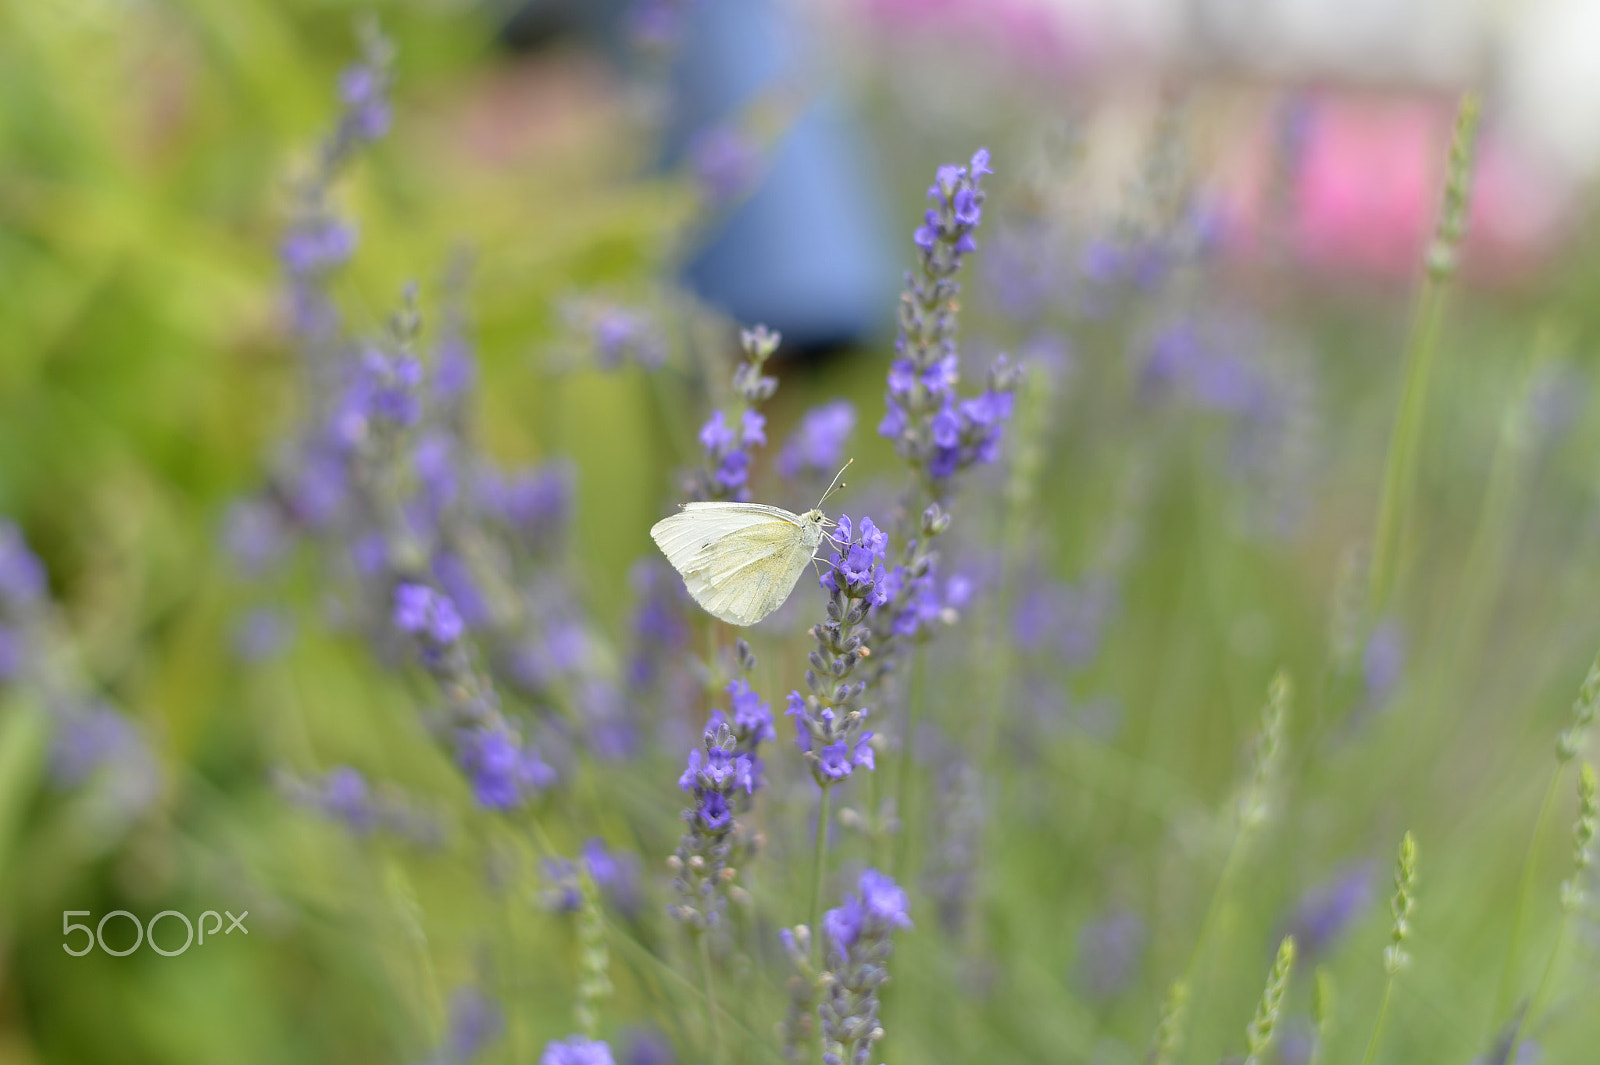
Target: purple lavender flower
{"x": 1109, "y": 951}
{"x": 420, "y": 610}
{"x": 344, "y": 797}
{"x": 319, "y": 488}
{"x": 1069, "y": 619}
{"x": 460, "y": 588}
{"x": 752, "y": 717}
{"x": 504, "y": 772}
{"x": 725, "y": 470}
{"x": 562, "y": 892}
{"x": 834, "y": 761}
{"x": 475, "y": 1022}
{"x": 724, "y": 163}
{"x": 433, "y": 459}
{"x": 1383, "y": 662}
{"x": 576, "y": 1050}
{"x": 716, "y": 771}
{"x": 261, "y": 634}
{"x": 535, "y": 504}
{"x": 830, "y": 720}
{"x": 22, "y": 577}
{"x": 957, "y": 827}
{"x": 1328, "y": 908}
{"x": 717, "y": 434}
{"x": 98, "y": 740}
{"x": 317, "y": 245}
{"x": 455, "y": 370}
{"x": 817, "y": 444}
{"x": 933, "y": 430}
{"x": 10, "y": 652}
{"x": 363, "y": 90}
{"x": 646, "y": 1046}
{"x": 253, "y": 533}
{"x": 859, "y": 942}
{"x": 620, "y": 335}
{"x": 380, "y": 396}
{"x": 615, "y": 874}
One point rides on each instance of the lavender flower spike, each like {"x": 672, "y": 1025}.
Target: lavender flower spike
{"x": 858, "y": 948}
{"x": 830, "y": 720}
{"x": 576, "y": 1050}
{"x": 936, "y": 431}
{"x": 717, "y": 771}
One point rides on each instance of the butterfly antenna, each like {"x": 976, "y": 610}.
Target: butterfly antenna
{"x": 835, "y": 486}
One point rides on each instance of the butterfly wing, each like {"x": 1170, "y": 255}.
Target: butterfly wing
{"x": 739, "y": 561}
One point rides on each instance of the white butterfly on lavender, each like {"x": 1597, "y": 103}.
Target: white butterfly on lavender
{"x": 740, "y": 561}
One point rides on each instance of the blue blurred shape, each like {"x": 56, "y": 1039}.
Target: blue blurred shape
{"x": 806, "y": 251}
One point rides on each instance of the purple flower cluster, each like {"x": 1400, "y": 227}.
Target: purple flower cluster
{"x": 660, "y": 633}
{"x": 318, "y": 241}
{"x": 343, "y": 795}
{"x": 933, "y": 429}
{"x": 916, "y": 601}
{"x": 958, "y": 433}
{"x": 829, "y": 720}
{"x": 383, "y": 394}
{"x": 1327, "y": 909}
{"x": 817, "y": 444}
{"x": 1227, "y": 366}
{"x": 716, "y": 773}
{"x": 1110, "y": 949}
{"x": 534, "y": 505}
{"x": 475, "y": 1021}
{"x": 11, "y": 652}
{"x": 622, "y": 336}
{"x": 1383, "y": 663}
{"x": 956, "y": 828}
{"x": 424, "y": 612}
{"x": 713, "y": 780}
{"x": 22, "y": 578}
{"x": 752, "y": 715}
{"x": 505, "y": 771}
{"x": 946, "y": 231}
{"x": 576, "y": 1050}
{"x": 90, "y": 739}
{"x": 364, "y": 92}
{"x": 22, "y": 586}
{"x": 95, "y": 740}
{"x": 727, "y": 438}
{"x": 1065, "y": 620}
{"x": 859, "y": 940}
{"x": 726, "y": 456}
{"x": 616, "y": 874}
{"x": 725, "y": 163}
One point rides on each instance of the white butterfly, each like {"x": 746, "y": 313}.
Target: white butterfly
{"x": 740, "y": 561}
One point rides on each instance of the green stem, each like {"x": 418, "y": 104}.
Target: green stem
{"x": 642, "y": 953}
{"x": 818, "y": 869}
{"x": 902, "y": 787}
{"x": 1502, "y": 997}
{"x": 711, "y": 997}
{"x": 1544, "y": 986}
{"x": 1377, "y": 1025}
{"x": 1400, "y": 468}
{"x": 1214, "y": 908}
